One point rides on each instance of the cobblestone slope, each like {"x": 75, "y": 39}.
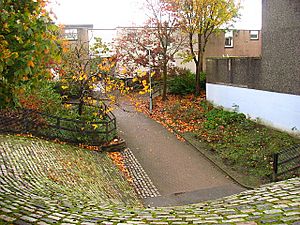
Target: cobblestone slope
{"x": 46, "y": 183}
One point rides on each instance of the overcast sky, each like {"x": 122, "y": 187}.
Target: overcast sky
{"x": 114, "y": 13}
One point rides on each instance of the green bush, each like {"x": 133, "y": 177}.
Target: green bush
{"x": 219, "y": 117}
{"x": 39, "y": 95}
{"x": 184, "y": 82}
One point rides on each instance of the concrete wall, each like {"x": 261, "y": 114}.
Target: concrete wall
{"x": 241, "y": 72}
{"x": 278, "y": 110}
{"x": 281, "y": 46}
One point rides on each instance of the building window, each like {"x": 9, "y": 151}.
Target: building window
{"x": 71, "y": 34}
{"x": 229, "y": 39}
{"x": 254, "y": 34}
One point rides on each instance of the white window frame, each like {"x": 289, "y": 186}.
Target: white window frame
{"x": 254, "y": 35}
{"x": 71, "y": 34}
{"x": 229, "y": 37}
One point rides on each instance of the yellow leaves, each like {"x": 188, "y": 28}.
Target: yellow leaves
{"x": 124, "y": 71}
{"x": 30, "y": 63}
{"x": 64, "y": 87}
{"x": 108, "y": 110}
{"x": 5, "y": 26}
{"x": 144, "y": 82}
{"x": 83, "y": 76}
{"x": 67, "y": 106}
{"x": 3, "y": 41}
{"x": 112, "y": 98}
{"x": 106, "y": 65}
{"x": 143, "y": 74}
{"x": 95, "y": 126}
{"x": 135, "y": 79}
{"x": 15, "y": 55}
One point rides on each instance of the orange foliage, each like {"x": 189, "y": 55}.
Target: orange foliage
{"x": 118, "y": 160}
{"x": 169, "y": 120}
{"x": 30, "y": 102}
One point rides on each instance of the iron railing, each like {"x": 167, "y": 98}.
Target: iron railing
{"x": 286, "y": 162}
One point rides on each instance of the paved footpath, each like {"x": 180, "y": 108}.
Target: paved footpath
{"x": 181, "y": 174}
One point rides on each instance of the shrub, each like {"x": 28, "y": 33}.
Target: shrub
{"x": 39, "y": 95}
{"x": 219, "y": 117}
{"x": 184, "y": 82}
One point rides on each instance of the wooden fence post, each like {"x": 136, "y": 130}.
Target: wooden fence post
{"x": 58, "y": 122}
{"x": 106, "y": 131}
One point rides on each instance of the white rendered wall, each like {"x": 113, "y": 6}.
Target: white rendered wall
{"x": 278, "y": 110}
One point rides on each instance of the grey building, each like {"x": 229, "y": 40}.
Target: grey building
{"x": 266, "y": 88}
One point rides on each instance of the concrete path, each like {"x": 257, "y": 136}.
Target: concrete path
{"x": 180, "y": 172}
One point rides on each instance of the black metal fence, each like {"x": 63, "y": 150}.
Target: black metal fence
{"x": 54, "y": 127}
{"x": 286, "y": 162}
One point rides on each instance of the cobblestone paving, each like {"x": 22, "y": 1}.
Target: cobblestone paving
{"x": 141, "y": 182}
{"x": 39, "y": 185}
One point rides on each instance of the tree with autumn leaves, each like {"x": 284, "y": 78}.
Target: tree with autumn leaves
{"x": 183, "y": 26}
{"x": 82, "y": 68}
{"x": 28, "y": 46}
{"x": 199, "y": 19}
{"x": 132, "y": 54}
{"x": 164, "y": 21}
{"x": 154, "y": 46}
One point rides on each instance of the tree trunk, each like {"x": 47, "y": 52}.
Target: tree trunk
{"x": 199, "y": 70}
{"x": 81, "y": 100}
{"x": 197, "y": 88}
{"x": 165, "y": 73}
{"x": 80, "y": 107}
